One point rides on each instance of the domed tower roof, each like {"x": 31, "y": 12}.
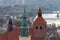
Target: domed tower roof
{"x": 39, "y": 19}
{"x": 39, "y": 12}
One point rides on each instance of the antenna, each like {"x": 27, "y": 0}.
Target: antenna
{"x": 57, "y": 14}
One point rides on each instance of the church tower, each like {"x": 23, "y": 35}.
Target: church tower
{"x": 39, "y": 28}
{"x": 24, "y": 26}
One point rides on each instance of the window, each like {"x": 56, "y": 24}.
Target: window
{"x": 36, "y": 27}
{"x": 40, "y": 27}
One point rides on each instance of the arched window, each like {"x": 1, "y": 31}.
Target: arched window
{"x": 40, "y": 27}
{"x": 36, "y": 27}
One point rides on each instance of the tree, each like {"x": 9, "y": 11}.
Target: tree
{"x": 17, "y": 23}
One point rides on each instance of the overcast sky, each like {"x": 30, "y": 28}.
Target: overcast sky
{"x": 57, "y": 2}
{"x": 42, "y": 3}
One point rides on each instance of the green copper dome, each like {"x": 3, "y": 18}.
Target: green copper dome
{"x": 24, "y": 26}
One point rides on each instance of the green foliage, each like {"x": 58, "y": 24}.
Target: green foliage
{"x": 58, "y": 27}
{"x": 17, "y": 23}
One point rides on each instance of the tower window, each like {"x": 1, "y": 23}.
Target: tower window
{"x": 36, "y": 27}
{"x": 40, "y": 27}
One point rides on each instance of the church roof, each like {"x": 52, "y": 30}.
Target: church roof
{"x": 39, "y": 19}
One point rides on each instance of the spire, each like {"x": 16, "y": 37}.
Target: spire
{"x": 24, "y": 15}
{"x": 39, "y": 12}
{"x": 10, "y": 25}
{"x": 24, "y": 11}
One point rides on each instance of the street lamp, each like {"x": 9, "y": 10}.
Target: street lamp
{"x": 58, "y": 14}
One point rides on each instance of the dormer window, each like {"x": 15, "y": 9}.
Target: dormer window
{"x": 40, "y": 27}
{"x": 36, "y": 27}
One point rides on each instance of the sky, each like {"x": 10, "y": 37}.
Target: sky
{"x": 53, "y": 2}
{"x": 0, "y": 0}
{"x": 43, "y": 3}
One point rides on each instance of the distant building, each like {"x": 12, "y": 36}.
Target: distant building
{"x": 52, "y": 32}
